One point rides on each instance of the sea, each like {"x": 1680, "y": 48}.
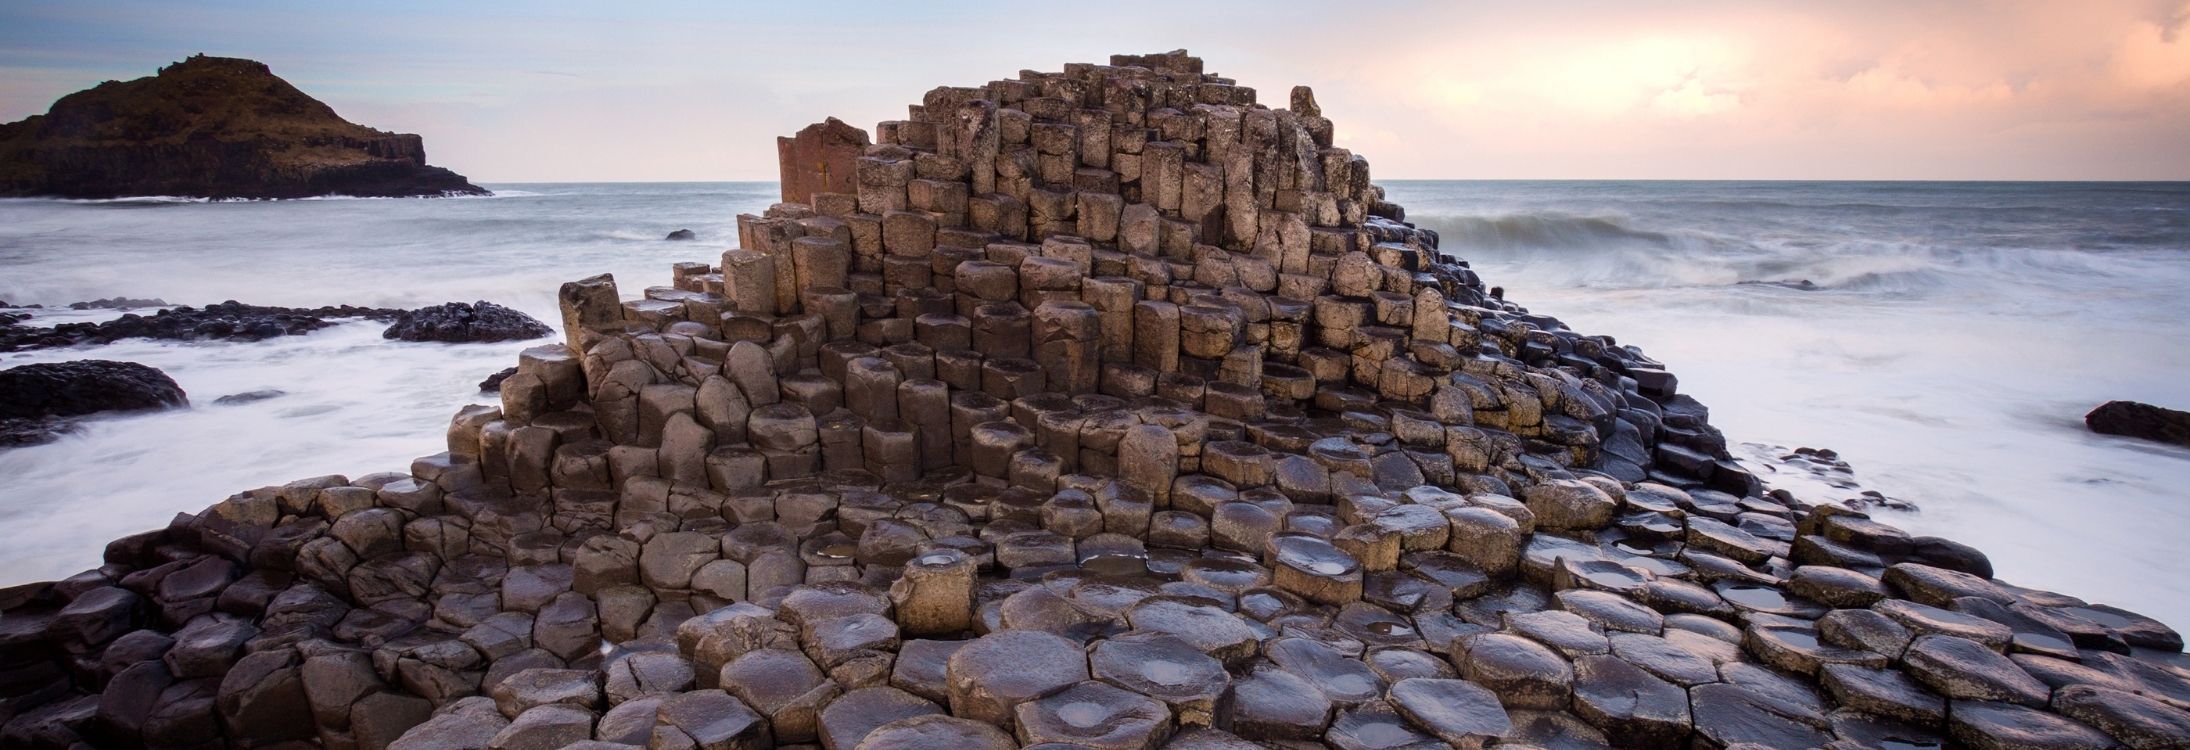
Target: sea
{"x": 1944, "y": 338}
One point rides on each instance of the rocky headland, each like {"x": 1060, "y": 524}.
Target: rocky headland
{"x": 1106, "y": 408}
{"x": 210, "y": 127}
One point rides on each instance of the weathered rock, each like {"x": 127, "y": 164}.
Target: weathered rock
{"x": 1962, "y": 669}
{"x": 2142, "y": 421}
{"x": 991, "y": 676}
{"x": 460, "y": 323}
{"x": 1460, "y": 713}
{"x": 36, "y": 400}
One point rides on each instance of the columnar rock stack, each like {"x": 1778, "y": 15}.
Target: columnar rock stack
{"x": 1102, "y": 409}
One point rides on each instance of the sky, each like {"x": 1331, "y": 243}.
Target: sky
{"x": 1579, "y": 89}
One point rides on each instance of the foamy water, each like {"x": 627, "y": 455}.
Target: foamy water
{"x": 1958, "y": 335}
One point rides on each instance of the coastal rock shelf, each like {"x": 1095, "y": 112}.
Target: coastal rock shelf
{"x": 1096, "y": 409}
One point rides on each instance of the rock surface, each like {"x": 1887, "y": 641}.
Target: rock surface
{"x": 226, "y": 321}
{"x": 210, "y": 127}
{"x": 38, "y": 400}
{"x": 457, "y": 322}
{"x": 2139, "y": 420}
{"x": 1097, "y": 409}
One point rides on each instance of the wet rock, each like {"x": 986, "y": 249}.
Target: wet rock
{"x": 226, "y": 321}
{"x": 639, "y": 675}
{"x": 523, "y": 691}
{"x": 1569, "y": 504}
{"x": 937, "y": 731}
{"x": 1610, "y": 612}
{"x": 1939, "y": 587}
{"x": 1962, "y": 669}
{"x": 1922, "y": 619}
{"x": 1864, "y": 629}
{"x": 681, "y": 234}
{"x": 458, "y": 323}
{"x": 544, "y": 728}
{"x": 1214, "y": 631}
{"x": 2141, "y": 421}
{"x": 1522, "y": 672}
{"x": 1345, "y": 680}
{"x": 1273, "y": 704}
{"x": 1094, "y": 715}
{"x": 2135, "y": 720}
{"x": 1164, "y": 667}
{"x": 991, "y": 676}
{"x": 1883, "y": 692}
{"x": 36, "y": 400}
{"x": 463, "y": 725}
{"x": 786, "y": 687}
{"x": 249, "y": 397}
{"x": 1461, "y": 713}
{"x": 1835, "y": 587}
{"x": 851, "y": 717}
{"x": 1375, "y": 728}
{"x": 710, "y": 720}
{"x": 1728, "y": 715}
{"x": 1984, "y": 725}
{"x": 1632, "y": 707}
{"x": 263, "y": 697}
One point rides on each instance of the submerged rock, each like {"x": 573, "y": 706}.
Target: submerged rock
{"x": 681, "y": 234}
{"x": 36, "y": 400}
{"x": 2142, "y": 421}
{"x": 457, "y": 323}
{"x": 247, "y": 397}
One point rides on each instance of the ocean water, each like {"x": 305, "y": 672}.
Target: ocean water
{"x": 1949, "y": 340}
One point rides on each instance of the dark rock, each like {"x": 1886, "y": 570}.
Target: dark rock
{"x": 114, "y": 303}
{"x": 38, "y": 399}
{"x": 1094, "y": 715}
{"x": 1729, "y": 714}
{"x": 457, "y": 323}
{"x": 2142, "y": 421}
{"x": 1459, "y": 712}
{"x": 227, "y": 321}
{"x": 1960, "y": 669}
{"x": 1273, "y": 704}
{"x": 1632, "y": 707}
{"x": 1883, "y": 692}
{"x": 493, "y": 383}
{"x": 248, "y": 397}
{"x": 2137, "y": 721}
{"x": 1982, "y": 725}
{"x": 681, "y": 234}
{"x": 210, "y": 127}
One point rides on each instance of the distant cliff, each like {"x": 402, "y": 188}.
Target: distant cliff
{"x": 212, "y": 127}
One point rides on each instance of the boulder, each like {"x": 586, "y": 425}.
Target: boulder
{"x": 2142, "y": 421}
{"x": 37, "y": 400}
{"x": 460, "y": 323}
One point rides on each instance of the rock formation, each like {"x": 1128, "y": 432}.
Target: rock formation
{"x": 38, "y": 401}
{"x": 211, "y": 127}
{"x": 1108, "y": 409}
{"x": 457, "y": 322}
{"x": 2143, "y": 421}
